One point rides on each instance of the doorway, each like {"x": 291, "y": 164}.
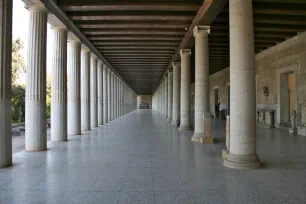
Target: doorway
{"x": 288, "y": 98}
{"x": 217, "y": 108}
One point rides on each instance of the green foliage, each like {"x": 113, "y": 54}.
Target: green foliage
{"x": 18, "y": 103}
{"x": 48, "y": 97}
{"x": 18, "y": 65}
{"x": 18, "y": 91}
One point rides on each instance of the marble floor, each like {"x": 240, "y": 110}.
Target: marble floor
{"x": 140, "y": 158}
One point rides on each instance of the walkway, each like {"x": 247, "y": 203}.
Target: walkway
{"x": 140, "y": 158}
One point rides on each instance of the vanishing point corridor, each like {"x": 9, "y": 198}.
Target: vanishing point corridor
{"x": 140, "y": 158}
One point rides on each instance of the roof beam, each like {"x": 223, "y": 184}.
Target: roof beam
{"x": 205, "y": 16}
{"x": 134, "y": 25}
{"x": 135, "y": 38}
{"x": 87, "y": 6}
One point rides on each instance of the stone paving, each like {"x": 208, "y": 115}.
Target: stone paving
{"x": 140, "y": 158}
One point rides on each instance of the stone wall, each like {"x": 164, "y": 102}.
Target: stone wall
{"x": 146, "y": 99}
{"x": 286, "y": 56}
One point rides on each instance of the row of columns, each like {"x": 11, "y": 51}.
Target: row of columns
{"x": 85, "y": 93}
{"x": 242, "y": 153}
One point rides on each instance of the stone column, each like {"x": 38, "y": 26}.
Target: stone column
{"x": 74, "y": 89}
{"x": 242, "y": 153}
{"x": 100, "y": 93}
{"x": 85, "y": 90}
{"x": 201, "y": 102}
{"x": 176, "y": 93}
{"x": 93, "y": 92}
{"x": 35, "y": 110}
{"x": 166, "y": 97}
{"x": 5, "y": 85}
{"x": 59, "y": 85}
{"x": 109, "y": 96}
{"x": 105, "y": 103}
{"x": 170, "y": 95}
{"x": 185, "y": 90}
{"x": 115, "y": 97}
{"x": 163, "y": 97}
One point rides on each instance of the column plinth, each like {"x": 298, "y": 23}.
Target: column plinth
{"x": 74, "y": 87}
{"x": 35, "y": 110}
{"x": 242, "y": 154}
{"x": 185, "y": 114}
{"x": 59, "y": 86}
{"x": 6, "y": 83}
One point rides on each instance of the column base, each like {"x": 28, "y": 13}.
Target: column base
{"x": 184, "y": 128}
{"x": 174, "y": 123}
{"x": 206, "y": 140}
{"x": 242, "y": 161}
{"x": 169, "y": 120}
{"x": 196, "y": 137}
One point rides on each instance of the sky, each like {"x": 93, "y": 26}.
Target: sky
{"x": 20, "y": 29}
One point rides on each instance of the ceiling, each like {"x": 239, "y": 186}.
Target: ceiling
{"x": 140, "y": 38}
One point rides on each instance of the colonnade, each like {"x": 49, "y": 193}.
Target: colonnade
{"x": 85, "y": 92}
{"x": 242, "y": 152}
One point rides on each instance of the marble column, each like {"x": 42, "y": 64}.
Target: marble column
{"x": 176, "y": 93}
{"x": 166, "y": 97}
{"x": 85, "y": 89}
{"x": 163, "y": 97}
{"x": 170, "y": 95}
{"x": 93, "y": 92}
{"x": 115, "y": 97}
{"x": 100, "y": 93}
{"x": 59, "y": 85}
{"x": 35, "y": 102}
{"x": 185, "y": 90}
{"x": 5, "y": 85}
{"x": 242, "y": 153}
{"x": 105, "y": 100}
{"x": 201, "y": 102}
{"x": 109, "y": 95}
{"x": 74, "y": 87}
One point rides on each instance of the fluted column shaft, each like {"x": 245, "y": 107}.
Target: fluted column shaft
{"x": 170, "y": 95}
{"x": 115, "y": 97}
{"x": 100, "y": 93}
{"x": 74, "y": 87}
{"x": 85, "y": 90}
{"x": 185, "y": 90}
{"x": 105, "y": 95}
{"x": 176, "y": 93}
{"x": 109, "y": 95}
{"x": 35, "y": 113}
{"x": 93, "y": 92}
{"x": 59, "y": 85}
{"x": 201, "y": 102}
{"x": 166, "y": 97}
{"x": 5, "y": 83}
{"x": 242, "y": 153}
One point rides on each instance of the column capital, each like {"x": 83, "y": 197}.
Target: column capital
{"x": 85, "y": 48}
{"x": 176, "y": 64}
{"x": 59, "y": 28}
{"x": 185, "y": 52}
{"x": 37, "y": 7}
{"x": 93, "y": 56}
{"x": 200, "y": 30}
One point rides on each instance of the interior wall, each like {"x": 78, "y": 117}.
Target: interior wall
{"x": 147, "y": 99}
{"x": 291, "y": 53}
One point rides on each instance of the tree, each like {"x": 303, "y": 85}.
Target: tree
{"x": 18, "y": 65}
{"x": 18, "y": 91}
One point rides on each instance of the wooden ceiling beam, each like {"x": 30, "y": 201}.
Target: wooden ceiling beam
{"x": 87, "y": 6}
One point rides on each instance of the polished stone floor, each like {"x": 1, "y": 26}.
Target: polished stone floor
{"x": 140, "y": 158}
